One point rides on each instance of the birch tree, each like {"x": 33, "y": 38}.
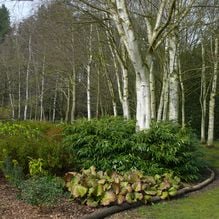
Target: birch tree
{"x": 27, "y": 77}
{"x": 212, "y": 95}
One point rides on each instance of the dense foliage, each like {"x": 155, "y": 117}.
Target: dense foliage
{"x": 105, "y": 188}
{"x": 112, "y": 144}
{"x": 23, "y": 141}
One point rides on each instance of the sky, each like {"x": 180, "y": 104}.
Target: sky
{"x": 20, "y": 9}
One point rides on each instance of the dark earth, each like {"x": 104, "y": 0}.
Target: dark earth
{"x": 11, "y": 207}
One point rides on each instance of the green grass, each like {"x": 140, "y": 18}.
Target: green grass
{"x": 202, "y": 205}
{"x": 212, "y": 155}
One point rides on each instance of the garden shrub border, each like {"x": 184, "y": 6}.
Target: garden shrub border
{"x": 107, "y": 211}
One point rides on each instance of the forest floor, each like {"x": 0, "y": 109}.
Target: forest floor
{"x": 201, "y": 204}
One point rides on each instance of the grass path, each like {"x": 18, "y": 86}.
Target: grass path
{"x": 202, "y": 204}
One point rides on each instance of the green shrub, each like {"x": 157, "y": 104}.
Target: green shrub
{"x": 172, "y": 148}
{"x": 106, "y": 188}
{"x": 44, "y": 190}
{"x": 22, "y": 140}
{"x": 112, "y": 144}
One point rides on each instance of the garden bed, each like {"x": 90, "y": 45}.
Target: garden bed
{"x": 11, "y": 207}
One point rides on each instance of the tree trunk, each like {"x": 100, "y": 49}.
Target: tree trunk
{"x": 203, "y": 96}
{"x": 125, "y": 29}
{"x": 182, "y": 94}
{"x": 27, "y": 79}
{"x": 54, "y": 101}
{"x": 163, "y": 104}
{"x": 73, "y": 91}
{"x": 212, "y": 97}
{"x": 109, "y": 82}
{"x": 88, "y": 75}
{"x": 68, "y": 96}
{"x": 10, "y": 96}
{"x": 19, "y": 93}
{"x": 42, "y": 89}
{"x": 152, "y": 91}
{"x": 173, "y": 80}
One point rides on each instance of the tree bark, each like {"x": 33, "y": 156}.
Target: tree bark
{"x": 27, "y": 79}
{"x": 88, "y": 75}
{"x": 173, "y": 79}
{"x": 42, "y": 89}
{"x": 125, "y": 29}
{"x": 212, "y": 97}
{"x": 203, "y": 96}
{"x": 54, "y": 101}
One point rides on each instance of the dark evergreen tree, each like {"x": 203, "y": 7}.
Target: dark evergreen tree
{"x": 4, "y": 22}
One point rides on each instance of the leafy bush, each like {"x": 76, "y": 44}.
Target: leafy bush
{"x": 98, "y": 142}
{"x": 105, "y": 188}
{"x": 29, "y": 139}
{"x": 44, "y": 190}
{"x": 172, "y": 148}
{"x": 112, "y": 144}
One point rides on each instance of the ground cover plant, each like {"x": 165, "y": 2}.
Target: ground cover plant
{"x": 105, "y": 188}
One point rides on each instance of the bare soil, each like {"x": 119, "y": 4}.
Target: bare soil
{"x": 12, "y": 208}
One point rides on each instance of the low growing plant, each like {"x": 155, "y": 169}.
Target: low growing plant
{"x": 43, "y": 190}
{"x": 106, "y": 188}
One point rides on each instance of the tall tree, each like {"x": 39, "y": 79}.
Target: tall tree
{"x": 4, "y": 22}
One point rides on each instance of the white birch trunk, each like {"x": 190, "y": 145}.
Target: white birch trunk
{"x": 54, "y": 101}
{"x": 212, "y": 97}
{"x": 163, "y": 103}
{"x": 121, "y": 17}
{"x": 122, "y": 90}
{"x": 27, "y": 79}
{"x": 88, "y": 75}
{"x": 173, "y": 80}
{"x": 19, "y": 93}
{"x": 152, "y": 91}
{"x": 68, "y": 96}
{"x": 11, "y": 96}
{"x": 73, "y": 91}
{"x": 182, "y": 94}
{"x": 98, "y": 93}
{"x": 125, "y": 91}
{"x": 203, "y": 96}
{"x": 42, "y": 89}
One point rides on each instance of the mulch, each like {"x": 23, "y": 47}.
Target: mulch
{"x": 12, "y": 208}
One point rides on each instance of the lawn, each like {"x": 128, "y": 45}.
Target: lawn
{"x": 201, "y": 205}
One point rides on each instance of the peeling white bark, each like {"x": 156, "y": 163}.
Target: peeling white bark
{"x": 27, "y": 79}
{"x": 90, "y": 59}
{"x": 173, "y": 80}
{"x": 203, "y": 96}
{"x": 212, "y": 97}
{"x": 121, "y": 17}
